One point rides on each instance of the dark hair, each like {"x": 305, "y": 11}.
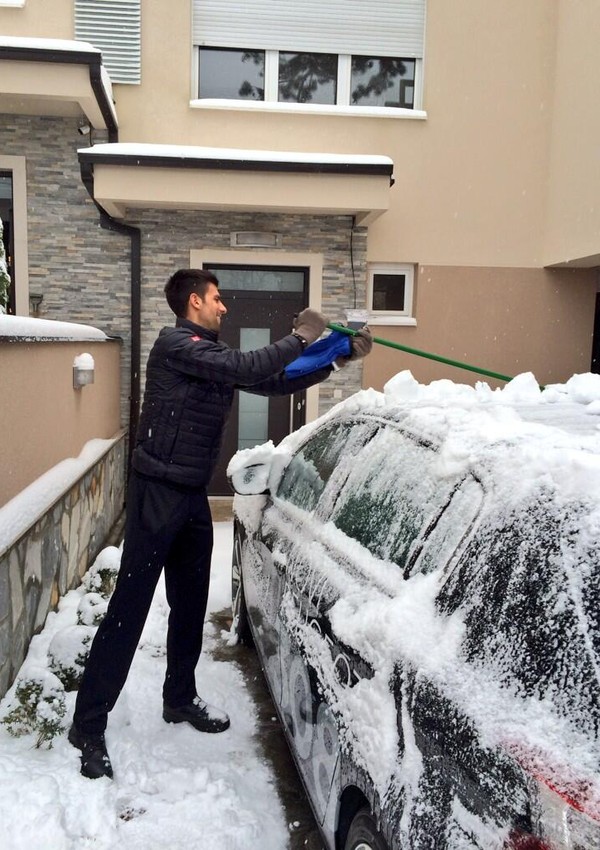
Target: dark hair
{"x": 180, "y": 286}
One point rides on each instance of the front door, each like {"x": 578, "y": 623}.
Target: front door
{"x": 261, "y": 302}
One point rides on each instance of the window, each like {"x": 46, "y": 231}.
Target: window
{"x": 309, "y": 470}
{"x": 308, "y": 78}
{"x": 331, "y": 449}
{"x": 390, "y": 290}
{"x": 7, "y": 304}
{"x": 391, "y": 497}
{"x": 342, "y": 54}
{"x": 232, "y": 74}
{"x": 13, "y": 212}
{"x": 380, "y": 81}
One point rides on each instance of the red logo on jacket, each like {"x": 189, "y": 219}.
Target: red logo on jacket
{"x": 196, "y": 338}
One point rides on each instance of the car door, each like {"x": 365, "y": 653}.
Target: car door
{"x": 290, "y": 534}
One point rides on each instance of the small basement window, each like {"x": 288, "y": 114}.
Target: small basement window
{"x": 390, "y": 291}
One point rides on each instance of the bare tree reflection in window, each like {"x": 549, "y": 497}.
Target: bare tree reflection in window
{"x": 383, "y": 81}
{"x": 307, "y": 77}
{"x": 247, "y": 89}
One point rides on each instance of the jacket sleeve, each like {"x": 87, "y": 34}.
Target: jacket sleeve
{"x": 215, "y": 361}
{"x": 282, "y": 385}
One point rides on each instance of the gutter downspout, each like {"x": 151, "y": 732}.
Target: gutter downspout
{"x": 99, "y": 91}
{"x": 107, "y": 222}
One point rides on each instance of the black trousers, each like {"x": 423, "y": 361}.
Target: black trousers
{"x": 166, "y": 527}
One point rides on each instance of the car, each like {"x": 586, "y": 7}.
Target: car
{"x": 419, "y": 572}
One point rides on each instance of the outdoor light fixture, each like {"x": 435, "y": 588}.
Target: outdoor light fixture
{"x": 83, "y": 371}
{"x": 84, "y": 129}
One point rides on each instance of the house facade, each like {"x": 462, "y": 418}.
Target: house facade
{"x": 432, "y": 163}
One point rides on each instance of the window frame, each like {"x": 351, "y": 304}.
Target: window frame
{"x": 343, "y": 102}
{"x": 392, "y": 317}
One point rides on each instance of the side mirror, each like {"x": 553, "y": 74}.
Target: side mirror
{"x": 249, "y": 470}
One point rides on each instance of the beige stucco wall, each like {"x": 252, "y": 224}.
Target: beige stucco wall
{"x": 573, "y": 224}
{"x": 506, "y": 320}
{"x": 43, "y": 420}
{"x": 39, "y": 19}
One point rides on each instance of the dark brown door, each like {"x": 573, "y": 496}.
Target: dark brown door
{"x": 261, "y": 303}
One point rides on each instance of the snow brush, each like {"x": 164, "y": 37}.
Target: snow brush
{"x": 352, "y": 332}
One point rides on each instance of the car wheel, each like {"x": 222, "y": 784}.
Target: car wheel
{"x": 240, "y": 626}
{"x": 363, "y": 833}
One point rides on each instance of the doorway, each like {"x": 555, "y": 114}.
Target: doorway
{"x": 261, "y": 303}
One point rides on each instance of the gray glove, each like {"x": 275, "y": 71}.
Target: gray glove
{"x": 309, "y": 325}
{"x": 362, "y": 344}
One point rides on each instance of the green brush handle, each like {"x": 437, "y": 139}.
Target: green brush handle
{"x": 335, "y": 327}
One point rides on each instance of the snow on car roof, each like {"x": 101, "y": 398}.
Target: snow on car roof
{"x": 560, "y": 423}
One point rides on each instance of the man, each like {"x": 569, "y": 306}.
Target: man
{"x": 190, "y": 382}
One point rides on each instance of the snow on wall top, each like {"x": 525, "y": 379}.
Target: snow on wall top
{"x": 48, "y": 44}
{"x": 198, "y": 152}
{"x": 26, "y": 328}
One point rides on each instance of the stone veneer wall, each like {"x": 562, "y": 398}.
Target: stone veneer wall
{"x": 169, "y": 236}
{"x": 51, "y": 557}
{"x": 82, "y": 270}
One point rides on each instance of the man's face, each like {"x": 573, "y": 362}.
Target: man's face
{"x": 207, "y": 311}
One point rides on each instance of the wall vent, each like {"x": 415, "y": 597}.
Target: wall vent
{"x": 255, "y": 239}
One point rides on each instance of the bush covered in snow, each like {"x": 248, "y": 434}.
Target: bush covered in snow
{"x": 102, "y": 575}
{"x": 36, "y": 707}
{"x": 68, "y": 652}
{"x": 91, "y": 609}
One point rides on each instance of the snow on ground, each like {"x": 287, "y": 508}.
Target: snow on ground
{"x": 174, "y": 787}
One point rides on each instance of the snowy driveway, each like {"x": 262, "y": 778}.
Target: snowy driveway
{"x": 173, "y": 786}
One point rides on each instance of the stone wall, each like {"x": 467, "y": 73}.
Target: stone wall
{"x": 82, "y": 270}
{"x": 50, "y": 558}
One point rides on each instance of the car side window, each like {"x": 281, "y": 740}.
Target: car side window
{"x": 311, "y": 467}
{"x": 441, "y": 540}
{"x": 392, "y": 495}
{"x": 522, "y": 579}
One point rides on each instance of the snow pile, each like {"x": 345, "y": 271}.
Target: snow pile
{"x": 173, "y": 786}
{"x": 26, "y": 328}
{"x": 83, "y": 361}
{"x": 19, "y": 514}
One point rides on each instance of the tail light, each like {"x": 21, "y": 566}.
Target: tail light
{"x": 565, "y": 811}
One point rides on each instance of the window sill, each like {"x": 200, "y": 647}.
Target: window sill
{"x": 310, "y": 108}
{"x": 399, "y": 321}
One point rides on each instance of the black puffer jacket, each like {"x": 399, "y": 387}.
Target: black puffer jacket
{"x": 190, "y": 381}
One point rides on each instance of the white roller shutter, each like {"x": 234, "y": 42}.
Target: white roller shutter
{"x": 114, "y": 27}
{"x": 367, "y": 27}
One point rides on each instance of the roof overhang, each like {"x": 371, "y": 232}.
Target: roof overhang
{"x": 130, "y": 176}
{"x": 41, "y": 76}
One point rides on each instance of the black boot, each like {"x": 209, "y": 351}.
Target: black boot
{"x": 94, "y": 757}
{"x": 201, "y": 715}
